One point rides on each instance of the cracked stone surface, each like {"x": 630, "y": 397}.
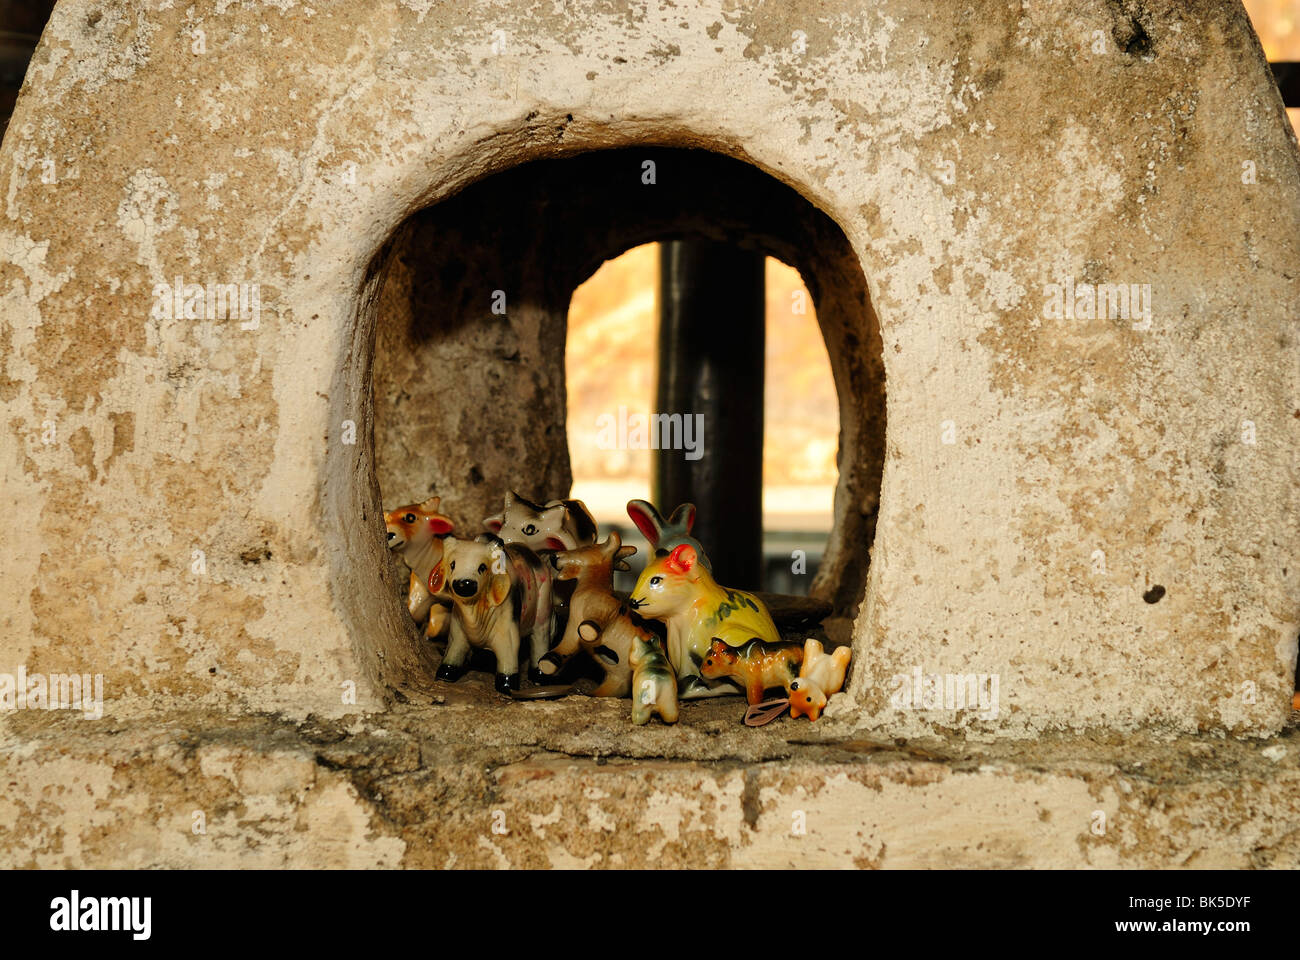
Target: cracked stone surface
{"x": 479, "y": 781}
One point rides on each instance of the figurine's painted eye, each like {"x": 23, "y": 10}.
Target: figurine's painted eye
{"x": 453, "y": 564}
{"x": 655, "y": 581}
{"x": 482, "y": 567}
{"x": 409, "y": 518}
{"x": 529, "y": 529}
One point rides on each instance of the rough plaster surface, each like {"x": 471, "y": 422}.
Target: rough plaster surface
{"x": 970, "y": 157}
{"x": 480, "y": 783}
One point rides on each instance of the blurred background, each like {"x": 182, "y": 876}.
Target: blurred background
{"x": 613, "y": 321}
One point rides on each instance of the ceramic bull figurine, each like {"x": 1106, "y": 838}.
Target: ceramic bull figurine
{"x": 593, "y": 609}
{"x": 556, "y": 525}
{"x": 415, "y": 534}
{"x": 821, "y": 675}
{"x": 757, "y": 665}
{"x": 663, "y": 534}
{"x": 681, "y": 592}
{"x": 654, "y": 687}
{"x": 499, "y": 593}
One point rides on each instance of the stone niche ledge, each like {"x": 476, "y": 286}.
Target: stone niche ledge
{"x": 475, "y": 781}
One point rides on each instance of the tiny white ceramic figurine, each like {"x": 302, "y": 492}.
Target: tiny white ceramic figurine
{"x": 678, "y": 590}
{"x": 821, "y": 675}
{"x": 415, "y": 534}
{"x": 498, "y": 592}
{"x": 654, "y": 687}
{"x": 556, "y": 525}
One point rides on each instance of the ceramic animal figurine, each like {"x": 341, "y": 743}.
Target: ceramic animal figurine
{"x": 593, "y": 608}
{"x": 415, "y": 534}
{"x": 499, "y": 592}
{"x": 681, "y": 592}
{"x": 757, "y": 665}
{"x": 663, "y": 534}
{"x": 821, "y": 675}
{"x": 556, "y": 525}
{"x": 654, "y": 688}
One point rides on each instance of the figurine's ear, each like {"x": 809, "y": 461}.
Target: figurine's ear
{"x": 439, "y": 525}
{"x": 431, "y": 505}
{"x": 438, "y": 575}
{"x": 494, "y": 523}
{"x": 620, "y": 558}
{"x": 646, "y": 518}
{"x": 612, "y": 544}
{"x": 682, "y": 560}
{"x": 500, "y": 588}
{"x": 684, "y": 517}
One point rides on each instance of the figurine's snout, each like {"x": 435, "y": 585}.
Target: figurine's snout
{"x": 393, "y": 540}
{"x": 465, "y": 588}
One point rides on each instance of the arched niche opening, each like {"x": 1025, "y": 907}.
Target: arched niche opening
{"x": 463, "y": 334}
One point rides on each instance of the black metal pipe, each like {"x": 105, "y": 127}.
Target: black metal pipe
{"x": 1287, "y": 75}
{"x": 711, "y": 355}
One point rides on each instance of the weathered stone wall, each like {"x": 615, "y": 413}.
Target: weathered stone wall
{"x": 485, "y": 785}
{"x": 969, "y": 158}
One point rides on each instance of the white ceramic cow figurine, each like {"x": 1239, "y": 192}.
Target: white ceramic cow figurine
{"x": 556, "y": 525}
{"x": 499, "y": 592}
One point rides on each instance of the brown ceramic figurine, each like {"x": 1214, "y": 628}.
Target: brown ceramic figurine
{"x": 593, "y": 612}
{"x": 678, "y": 590}
{"x": 415, "y": 534}
{"x": 757, "y": 665}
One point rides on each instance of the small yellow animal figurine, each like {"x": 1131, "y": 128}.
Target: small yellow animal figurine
{"x": 415, "y": 534}
{"x": 678, "y": 590}
{"x": 654, "y": 688}
{"x": 757, "y": 665}
{"x": 821, "y": 675}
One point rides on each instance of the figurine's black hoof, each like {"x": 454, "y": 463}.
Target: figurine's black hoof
{"x": 449, "y": 673}
{"x": 505, "y": 682}
{"x": 535, "y": 675}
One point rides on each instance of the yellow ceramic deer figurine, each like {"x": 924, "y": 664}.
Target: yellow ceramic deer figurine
{"x": 678, "y": 590}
